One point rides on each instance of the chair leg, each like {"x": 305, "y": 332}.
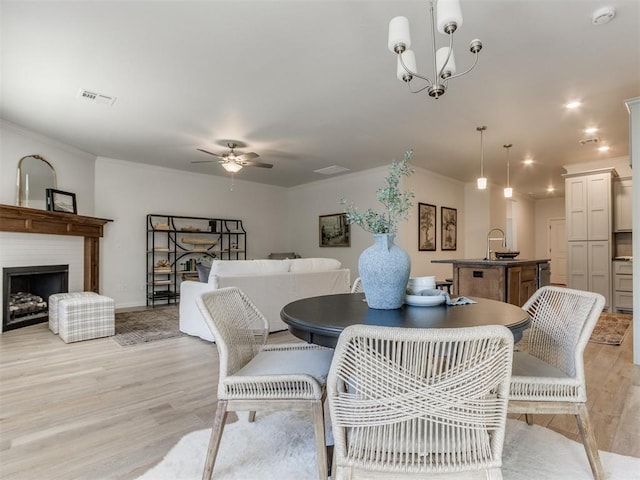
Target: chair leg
{"x": 589, "y": 441}
{"x": 321, "y": 445}
{"x": 528, "y": 418}
{"x": 252, "y": 416}
{"x": 214, "y": 442}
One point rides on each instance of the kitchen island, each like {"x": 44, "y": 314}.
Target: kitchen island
{"x": 512, "y": 281}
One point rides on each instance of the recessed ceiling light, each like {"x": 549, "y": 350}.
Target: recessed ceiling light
{"x": 528, "y": 161}
{"x": 572, "y": 105}
{"x": 604, "y": 148}
{"x": 590, "y": 130}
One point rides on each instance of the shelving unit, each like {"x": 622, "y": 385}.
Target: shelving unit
{"x": 175, "y": 244}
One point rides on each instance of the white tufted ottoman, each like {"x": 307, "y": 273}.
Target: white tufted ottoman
{"x": 53, "y": 306}
{"x": 86, "y": 317}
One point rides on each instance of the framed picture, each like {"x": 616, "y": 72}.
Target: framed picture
{"x": 426, "y": 227}
{"x": 449, "y": 229}
{"x": 334, "y": 230}
{"x": 59, "y": 201}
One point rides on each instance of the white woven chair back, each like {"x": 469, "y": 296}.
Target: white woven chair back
{"x": 357, "y": 286}
{"x": 237, "y": 325}
{"x": 420, "y": 400}
{"x": 562, "y": 320}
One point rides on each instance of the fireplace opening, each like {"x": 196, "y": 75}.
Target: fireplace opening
{"x": 26, "y": 292}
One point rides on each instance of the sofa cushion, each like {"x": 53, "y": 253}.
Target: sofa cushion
{"x": 203, "y": 272}
{"x": 246, "y": 267}
{"x": 314, "y": 264}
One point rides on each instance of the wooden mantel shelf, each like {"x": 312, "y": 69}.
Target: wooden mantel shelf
{"x": 31, "y": 220}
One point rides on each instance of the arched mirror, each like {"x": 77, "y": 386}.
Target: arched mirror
{"x": 35, "y": 175}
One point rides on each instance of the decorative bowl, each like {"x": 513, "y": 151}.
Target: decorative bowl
{"x": 506, "y": 255}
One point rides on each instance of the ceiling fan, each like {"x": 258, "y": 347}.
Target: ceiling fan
{"x": 233, "y": 162}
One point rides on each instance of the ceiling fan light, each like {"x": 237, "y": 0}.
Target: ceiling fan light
{"x": 232, "y": 167}
{"x": 482, "y": 183}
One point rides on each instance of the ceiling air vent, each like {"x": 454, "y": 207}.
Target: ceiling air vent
{"x": 332, "y": 170}
{"x": 96, "y": 97}
{"x": 591, "y": 140}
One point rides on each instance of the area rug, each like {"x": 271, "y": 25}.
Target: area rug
{"x": 144, "y": 326}
{"x": 279, "y": 446}
{"x": 611, "y": 328}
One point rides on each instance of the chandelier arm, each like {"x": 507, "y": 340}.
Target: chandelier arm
{"x": 444, "y": 64}
{"x": 413, "y": 74}
{"x": 466, "y": 71}
{"x": 419, "y": 90}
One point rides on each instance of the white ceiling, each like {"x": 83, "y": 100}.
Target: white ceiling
{"x": 310, "y": 84}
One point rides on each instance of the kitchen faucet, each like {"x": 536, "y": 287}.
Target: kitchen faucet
{"x": 489, "y": 238}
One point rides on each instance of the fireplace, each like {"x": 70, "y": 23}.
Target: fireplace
{"x": 26, "y": 292}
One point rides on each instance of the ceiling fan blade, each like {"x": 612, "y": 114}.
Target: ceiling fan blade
{"x": 210, "y": 153}
{"x": 247, "y": 156}
{"x": 204, "y": 161}
{"x": 256, "y": 164}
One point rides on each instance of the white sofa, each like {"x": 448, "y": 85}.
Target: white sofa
{"x": 270, "y": 284}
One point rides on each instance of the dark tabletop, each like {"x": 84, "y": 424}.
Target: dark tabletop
{"x": 320, "y": 320}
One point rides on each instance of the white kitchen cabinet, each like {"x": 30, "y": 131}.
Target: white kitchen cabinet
{"x": 589, "y": 267}
{"x": 622, "y": 202}
{"x": 623, "y": 286}
{"x": 589, "y": 231}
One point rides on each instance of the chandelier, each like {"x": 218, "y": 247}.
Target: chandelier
{"x": 449, "y": 18}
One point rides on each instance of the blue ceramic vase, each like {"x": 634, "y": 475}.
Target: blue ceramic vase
{"x": 384, "y": 270}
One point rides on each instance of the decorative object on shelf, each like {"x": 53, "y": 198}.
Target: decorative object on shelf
{"x": 163, "y": 263}
{"x": 35, "y": 175}
{"x": 449, "y": 18}
{"x": 426, "y": 227}
{"x": 482, "y": 180}
{"x": 449, "y": 228}
{"x": 508, "y": 191}
{"x": 384, "y": 267}
{"x": 189, "y": 228}
{"x": 59, "y": 201}
{"x": 161, "y": 226}
{"x": 334, "y": 230}
{"x": 199, "y": 241}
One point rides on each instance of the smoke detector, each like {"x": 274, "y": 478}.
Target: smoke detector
{"x": 590, "y": 140}
{"x": 603, "y": 15}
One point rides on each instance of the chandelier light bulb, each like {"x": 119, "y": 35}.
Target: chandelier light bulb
{"x": 508, "y": 192}
{"x": 482, "y": 183}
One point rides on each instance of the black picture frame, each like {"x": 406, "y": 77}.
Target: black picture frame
{"x": 334, "y": 230}
{"x": 59, "y": 201}
{"x": 449, "y": 228}
{"x": 427, "y": 221}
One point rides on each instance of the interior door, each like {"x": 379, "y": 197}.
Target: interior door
{"x": 558, "y": 250}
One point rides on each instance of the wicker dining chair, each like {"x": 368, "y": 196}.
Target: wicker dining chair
{"x": 548, "y": 370}
{"x": 357, "y": 286}
{"x": 255, "y": 376}
{"x": 419, "y": 403}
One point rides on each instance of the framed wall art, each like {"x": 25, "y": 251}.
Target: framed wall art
{"x": 334, "y": 230}
{"x": 449, "y": 228}
{"x": 426, "y": 227}
{"x": 59, "y": 201}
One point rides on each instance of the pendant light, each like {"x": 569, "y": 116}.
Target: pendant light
{"x": 508, "y": 191}
{"x": 482, "y": 180}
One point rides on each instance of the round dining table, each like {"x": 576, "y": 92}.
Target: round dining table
{"x": 320, "y": 320}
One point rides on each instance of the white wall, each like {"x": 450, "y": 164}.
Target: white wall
{"x": 74, "y": 168}
{"x": 307, "y": 202}
{"x": 126, "y": 192}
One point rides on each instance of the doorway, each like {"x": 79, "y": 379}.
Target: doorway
{"x": 557, "y": 248}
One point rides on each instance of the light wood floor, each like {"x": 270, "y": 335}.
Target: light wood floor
{"x": 96, "y": 410}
